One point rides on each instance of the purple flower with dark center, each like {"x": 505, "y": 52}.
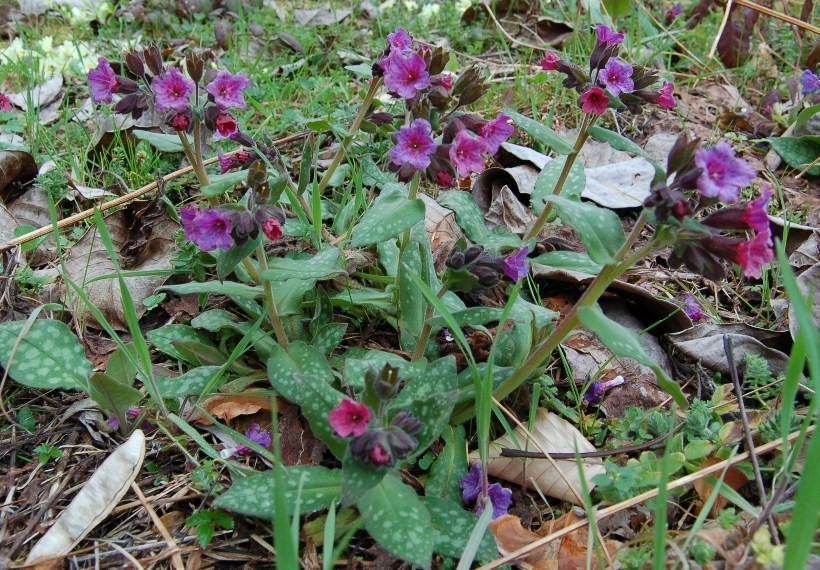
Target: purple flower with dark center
{"x": 809, "y": 81}
{"x": 723, "y": 173}
{"x": 209, "y": 229}
{"x": 405, "y": 74}
{"x": 753, "y": 254}
{"x": 594, "y": 100}
{"x": 516, "y": 266}
{"x": 5, "y": 103}
{"x": 496, "y": 132}
{"x": 256, "y": 435}
{"x": 172, "y": 91}
{"x": 414, "y": 145}
{"x": 597, "y": 389}
{"x": 400, "y": 40}
{"x": 227, "y": 89}
{"x": 465, "y": 153}
{"x": 103, "y": 81}
{"x": 617, "y": 76}
{"x": 607, "y": 36}
{"x": 471, "y": 483}
{"x": 550, "y": 61}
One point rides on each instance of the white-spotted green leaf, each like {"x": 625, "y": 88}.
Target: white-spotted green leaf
{"x": 468, "y": 215}
{"x": 358, "y": 478}
{"x": 164, "y": 337}
{"x": 439, "y": 376}
{"x": 329, "y": 336}
{"x": 522, "y": 312}
{"x": 620, "y": 142}
{"x": 217, "y": 319}
{"x": 192, "y": 383}
{"x": 358, "y": 361}
{"x": 452, "y": 526}
{"x": 389, "y": 215}
{"x": 450, "y": 466}
{"x": 316, "y": 487}
{"x": 49, "y": 356}
{"x": 226, "y": 261}
{"x": 798, "y": 152}
{"x": 323, "y": 265}
{"x": 389, "y": 256}
{"x": 541, "y": 133}
{"x": 548, "y": 178}
{"x": 411, "y": 302}
{"x": 364, "y": 298}
{"x": 572, "y": 260}
{"x": 600, "y": 229}
{"x": 624, "y": 342}
{"x": 433, "y": 413}
{"x": 396, "y": 518}
{"x": 227, "y": 288}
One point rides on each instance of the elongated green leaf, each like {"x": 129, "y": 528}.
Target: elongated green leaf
{"x": 226, "y": 261}
{"x": 396, "y": 518}
{"x": 48, "y": 356}
{"x": 548, "y": 179}
{"x": 389, "y": 215}
{"x": 541, "y": 133}
{"x": 192, "y": 383}
{"x": 223, "y": 182}
{"x": 227, "y": 288}
{"x": 329, "y": 336}
{"x": 450, "y": 467}
{"x": 569, "y": 260}
{"x": 323, "y": 265}
{"x": 164, "y": 337}
{"x": 798, "y": 152}
{"x": 111, "y": 395}
{"x": 468, "y": 215}
{"x": 160, "y": 141}
{"x": 600, "y": 229}
{"x": 358, "y": 478}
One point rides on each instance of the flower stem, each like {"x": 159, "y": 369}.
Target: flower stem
{"x": 196, "y": 162}
{"x": 424, "y": 337}
{"x": 270, "y": 302}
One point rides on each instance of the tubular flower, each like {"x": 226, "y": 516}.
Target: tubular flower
{"x": 209, "y": 229}
{"x": 103, "y": 82}
{"x": 5, "y": 103}
{"x": 550, "y": 61}
{"x": 496, "y": 132}
{"x": 753, "y": 254}
{"x": 723, "y": 173}
{"x": 594, "y": 100}
{"x": 349, "y": 418}
{"x": 516, "y": 266}
{"x": 465, "y": 153}
{"x": 607, "y": 36}
{"x": 227, "y": 89}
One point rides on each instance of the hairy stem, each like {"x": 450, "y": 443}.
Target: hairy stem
{"x": 270, "y": 302}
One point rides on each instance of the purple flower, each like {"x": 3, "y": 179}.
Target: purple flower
{"x": 209, "y": 229}
{"x": 256, "y": 435}
{"x": 471, "y": 484}
{"x": 181, "y": 122}
{"x": 414, "y": 145}
{"x": 753, "y": 254}
{"x": 399, "y": 40}
{"x": 809, "y": 82}
{"x": 227, "y": 89}
{"x": 225, "y": 126}
{"x": 550, "y": 61}
{"x": 349, "y": 418}
{"x": 5, "y": 103}
{"x": 103, "y": 81}
{"x": 617, "y": 76}
{"x": 172, "y": 91}
{"x": 692, "y": 308}
{"x": 607, "y": 36}
{"x": 594, "y": 100}
{"x": 753, "y": 215}
{"x": 723, "y": 173}
{"x": 673, "y": 12}
{"x": 597, "y": 389}
{"x": 465, "y": 153}
{"x": 405, "y": 74}
{"x": 496, "y": 132}
{"x": 516, "y": 266}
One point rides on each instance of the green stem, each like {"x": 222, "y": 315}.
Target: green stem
{"x": 583, "y": 135}
{"x": 427, "y": 328}
{"x": 270, "y": 302}
{"x": 196, "y": 164}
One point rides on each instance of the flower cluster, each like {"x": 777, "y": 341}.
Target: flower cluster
{"x": 610, "y": 81}
{"x": 473, "y": 269}
{"x": 472, "y": 485}
{"x": 695, "y": 207}
{"x": 171, "y": 92}
{"x": 226, "y": 226}
{"x": 375, "y": 440}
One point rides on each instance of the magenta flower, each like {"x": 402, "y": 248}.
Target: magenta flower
{"x": 594, "y": 100}
{"x": 181, "y": 122}
{"x": 471, "y": 485}
{"x": 550, "y": 61}
{"x": 809, "y": 81}
{"x": 692, "y": 308}
{"x": 405, "y": 74}
{"x": 617, "y": 76}
{"x": 230, "y": 161}
{"x": 379, "y": 455}
{"x": 209, "y": 229}
{"x": 349, "y": 418}
{"x": 414, "y": 145}
{"x": 272, "y": 229}
{"x": 516, "y": 266}
{"x": 465, "y": 153}
{"x": 665, "y": 99}
{"x": 673, "y": 12}
{"x": 607, "y": 36}
{"x": 723, "y": 173}
{"x": 399, "y": 40}
{"x": 496, "y": 132}
{"x": 446, "y": 81}
{"x": 753, "y": 254}
{"x": 5, "y": 103}
{"x": 103, "y": 81}
{"x": 225, "y": 126}
{"x": 752, "y": 216}
{"x": 172, "y": 91}
{"x": 597, "y": 389}
{"x": 227, "y": 89}
{"x": 256, "y": 435}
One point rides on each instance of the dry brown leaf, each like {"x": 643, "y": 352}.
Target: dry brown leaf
{"x": 321, "y": 16}
{"x": 227, "y": 408}
{"x": 553, "y": 434}
{"x": 506, "y": 210}
{"x": 734, "y": 478}
{"x": 442, "y": 230}
{"x": 511, "y": 536}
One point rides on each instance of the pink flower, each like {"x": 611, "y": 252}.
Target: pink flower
{"x": 665, "y": 99}
{"x": 209, "y": 229}
{"x": 550, "y": 61}
{"x": 753, "y": 254}
{"x": 607, "y": 36}
{"x": 229, "y": 161}
{"x": 399, "y": 40}
{"x": 496, "y": 132}
{"x": 272, "y": 229}
{"x": 172, "y": 91}
{"x": 103, "y": 81}
{"x": 594, "y": 100}
{"x": 617, "y": 76}
{"x": 349, "y": 418}
{"x": 227, "y": 89}
{"x": 723, "y": 173}
{"x": 182, "y": 121}
{"x": 465, "y": 153}
{"x": 446, "y": 81}
{"x": 414, "y": 145}
{"x": 516, "y": 266}
{"x": 380, "y": 456}
{"x": 445, "y": 179}
{"x": 753, "y": 216}
{"x": 5, "y": 103}
{"x": 405, "y": 74}
{"x": 225, "y": 126}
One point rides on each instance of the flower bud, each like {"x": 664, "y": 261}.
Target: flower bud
{"x": 134, "y": 63}
{"x": 153, "y": 59}
{"x": 195, "y": 65}
{"x": 406, "y": 422}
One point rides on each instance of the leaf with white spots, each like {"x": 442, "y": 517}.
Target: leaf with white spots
{"x": 572, "y": 260}
{"x": 600, "y": 229}
{"x": 433, "y": 413}
{"x": 548, "y": 178}
{"x": 439, "y": 376}
{"x": 253, "y": 496}
{"x": 396, "y": 518}
{"x": 47, "y": 355}
{"x": 540, "y": 132}
{"x": 624, "y": 342}
{"x": 192, "y": 383}
{"x": 329, "y": 336}
{"x": 390, "y": 215}
{"x": 358, "y": 478}
{"x": 450, "y": 466}
{"x": 357, "y": 361}
{"x": 323, "y": 265}
{"x": 468, "y": 214}
{"x": 164, "y": 337}
{"x": 452, "y": 526}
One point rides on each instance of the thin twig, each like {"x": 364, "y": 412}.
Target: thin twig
{"x": 779, "y": 15}
{"x": 723, "y": 23}
{"x": 176, "y": 557}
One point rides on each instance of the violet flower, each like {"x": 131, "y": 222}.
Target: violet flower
{"x": 349, "y": 418}
{"x": 607, "y": 36}
{"x": 617, "y": 76}
{"x": 5, "y": 103}
{"x": 227, "y": 89}
{"x": 496, "y": 132}
{"x": 405, "y": 75}
{"x": 723, "y": 173}
{"x": 809, "y": 81}
{"x": 516, "y": 266}
{"x": 471, "y": 484}
{"x": 594, "y": 100}
{"x": 256, "y": 435}
{"x": 414, "y": 145}
{"x": 465, "y": 153}
{"x": 673, "y": 12}
{"x": 597, "y": 389}
{"x": 172, "y": 91}
{"x": 692, "y": 308}
{"x": 103, "y": 82}
{"x": 209, "y": 229}
{"x": 400, "y": 40}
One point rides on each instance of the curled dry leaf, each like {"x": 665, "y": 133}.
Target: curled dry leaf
{"x": 227, "y": 408}
{"x": 442, "y": 229}
{"x": 734, "y": 478}
{"x": 557, "y": 478}
{"x": 94, "y": 502}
